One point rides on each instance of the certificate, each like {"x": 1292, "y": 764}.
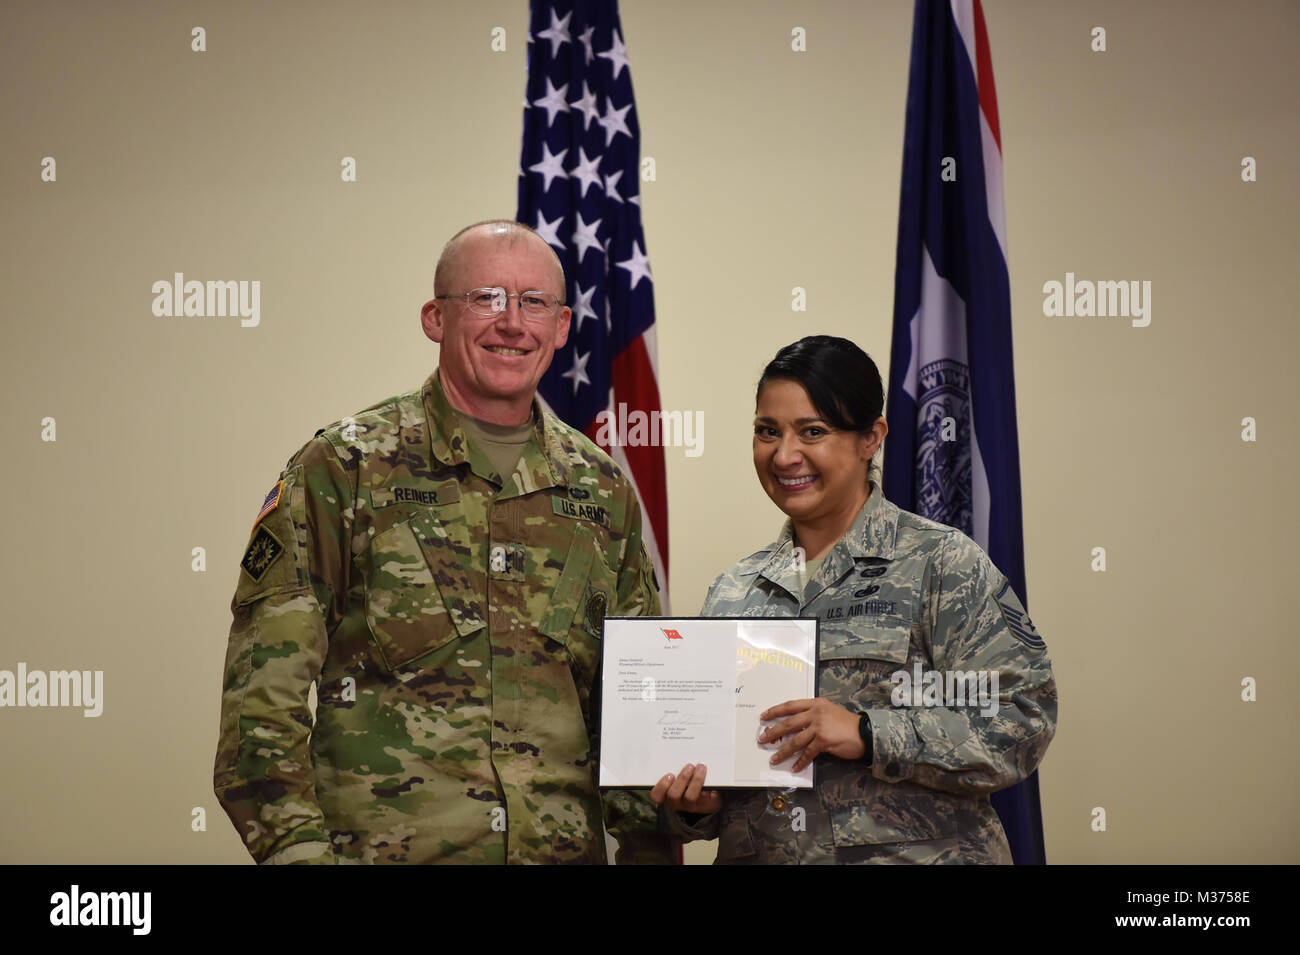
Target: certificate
{"x": 678, "y": 690}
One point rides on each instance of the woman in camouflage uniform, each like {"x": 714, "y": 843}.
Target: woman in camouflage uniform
{"x": 903, "y": 770}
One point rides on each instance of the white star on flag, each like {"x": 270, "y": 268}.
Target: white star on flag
{"x": 586, "y": 104}
{"x": 578, "y": 373}
{"x": 613, "y": 121}
{"x": 611, "y": 184}
{"x": 616, "y": 54}
{"x": 586, "y": 172}
{"x": 585, "y": 40}
{"x": 550, "y": 231}
{"x": 553, "y": 102}
{"x": 582, "y": 307}
{"x": 558, "y": 32}
{"x": 638, "y": 266}
{"x": 551, "y": 166}
{"x": 585, "y": 236}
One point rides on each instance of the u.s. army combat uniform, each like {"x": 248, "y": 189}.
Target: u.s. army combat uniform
{"x": 896, "y": 590}
{"x": 451, "y": 621}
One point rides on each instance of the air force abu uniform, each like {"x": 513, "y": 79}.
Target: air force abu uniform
{"x": 451, "y": 620}
{"x": 898, "y": 593}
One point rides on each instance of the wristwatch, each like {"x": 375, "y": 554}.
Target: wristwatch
{"x": 864, "y": 730}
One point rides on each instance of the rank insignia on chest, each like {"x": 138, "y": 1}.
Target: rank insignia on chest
{"x": 596, "y": 513}
{"x": 263, "y": 550}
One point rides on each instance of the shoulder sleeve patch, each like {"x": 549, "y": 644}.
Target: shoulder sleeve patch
{"x": 263, "y": 551}
{"x": 1017, "y": 620}
{"x": 274, "y": 560}
{"x": 271, "y": 503}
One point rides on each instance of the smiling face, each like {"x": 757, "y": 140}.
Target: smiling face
{"x": 815, "y": 474}
{"x": 490, "y": 364}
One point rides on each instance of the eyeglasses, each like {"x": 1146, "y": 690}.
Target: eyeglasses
{"x": 491, "y": 301}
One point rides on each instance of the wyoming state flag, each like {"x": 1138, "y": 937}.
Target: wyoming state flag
{"x": 952, "y": 454}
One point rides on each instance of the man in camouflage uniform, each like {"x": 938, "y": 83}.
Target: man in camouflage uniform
{"x": 448, "y": 605}
{"x": 896, "y": 591}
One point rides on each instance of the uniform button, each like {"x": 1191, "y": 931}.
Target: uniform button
{"x": 778, "y": 804}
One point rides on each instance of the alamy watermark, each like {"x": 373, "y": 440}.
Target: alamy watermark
{"x": 637, "y": 429}
{"x": 83, "y": 688}
{"x": 75, "y": 907}
{"x": 974, "y": 688}
{"x": 213, "y": 299}
{"x": 1086, "y": 299}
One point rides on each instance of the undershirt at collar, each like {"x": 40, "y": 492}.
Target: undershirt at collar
{"x": 810, "y": 570}
{"x": 502, "y": 444}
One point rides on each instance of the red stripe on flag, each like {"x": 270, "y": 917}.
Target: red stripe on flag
{"x": 635, "y": 383}
{"x": 636, "y": 386}
{"x": 984, "y": 75}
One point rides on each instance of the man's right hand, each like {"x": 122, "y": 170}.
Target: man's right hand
{"x": 683, "y": 792}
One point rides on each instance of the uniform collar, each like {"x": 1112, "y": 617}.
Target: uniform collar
{"x": 874, "y": 531}
{"x": 872, "y": 534}
{"x": 545, "y": 459}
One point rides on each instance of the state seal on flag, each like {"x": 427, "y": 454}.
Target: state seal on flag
{"x": 943, "y": 446}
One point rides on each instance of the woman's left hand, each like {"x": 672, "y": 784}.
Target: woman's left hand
{"x": 814, "y": 726}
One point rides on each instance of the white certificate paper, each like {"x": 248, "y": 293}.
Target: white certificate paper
{"x": 678, "y": 690}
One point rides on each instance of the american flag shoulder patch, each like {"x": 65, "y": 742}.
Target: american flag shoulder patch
{"x": 272, "y": 500}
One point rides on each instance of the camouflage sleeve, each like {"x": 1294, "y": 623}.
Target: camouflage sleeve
{"x": 981, "y": 638}
{"x": 283, "y": 610}
{"x": 690, "y": 826}
{"x": 630, "y": 817}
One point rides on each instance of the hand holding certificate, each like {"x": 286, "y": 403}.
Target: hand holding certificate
{"x": 692, "y": 690}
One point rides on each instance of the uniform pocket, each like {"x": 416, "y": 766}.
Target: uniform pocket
{"x": 404, "y": 609}
{"x": 865, "y": 642}
{"x": 858, "y": 661}
{"x": 575, "y": 615}
{"x": 892, "y": 812}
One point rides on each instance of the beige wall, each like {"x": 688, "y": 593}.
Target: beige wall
{"x": 775, "y": 169}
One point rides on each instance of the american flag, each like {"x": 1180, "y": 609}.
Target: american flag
{"x": 578, "y": 187}
{"x": 951, "y": 357}
{"x": 272, "y": 500}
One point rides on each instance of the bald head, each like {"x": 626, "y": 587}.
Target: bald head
{"x": 490, "y": 230}
{"x": 490, "y": 365}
